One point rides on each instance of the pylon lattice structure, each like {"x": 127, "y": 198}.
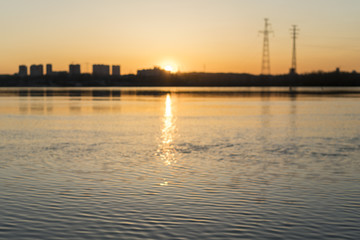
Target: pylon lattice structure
{"x": 294, "y": 35}
{"x": 265, "y": 66}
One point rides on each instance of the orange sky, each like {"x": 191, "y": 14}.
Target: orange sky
{"x": 210, "y": 35}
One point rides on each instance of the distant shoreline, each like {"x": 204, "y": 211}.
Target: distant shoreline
{"x": 318, "y": 79}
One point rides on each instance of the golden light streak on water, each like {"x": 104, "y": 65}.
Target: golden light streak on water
{"x": 166, "y": 148}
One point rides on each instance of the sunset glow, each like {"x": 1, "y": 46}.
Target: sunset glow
{"x": 203, "y": 35}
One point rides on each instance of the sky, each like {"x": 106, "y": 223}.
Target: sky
{"x": 190, "y": 35}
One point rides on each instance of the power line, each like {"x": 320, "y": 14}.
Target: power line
{"x": 265, "y": 66}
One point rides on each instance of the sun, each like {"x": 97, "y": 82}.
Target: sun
{"x": 169, "y": 68}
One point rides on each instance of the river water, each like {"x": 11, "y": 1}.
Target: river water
{"x": 178, "y": 164}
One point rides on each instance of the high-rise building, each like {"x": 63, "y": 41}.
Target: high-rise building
{"x": 49, "y": 69}
{"x": 116, "y": 70}
{"x": 74, "y": 69}
{"x": 36, "y": 70}
{"x": 101, "y": 70}
{"x": 23, "y": 71}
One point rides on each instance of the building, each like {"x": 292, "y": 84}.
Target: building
{"x": 49, "y": 70}
{"x": 36, "y": 70}
{"x": 116, "y": 70}
{"x": 23, "y": 72}
{"x": 101, "y": 70}
{"x": 155, "y": 72}
{"x": 74, "y": 69}
{"x": 60, "y": 73}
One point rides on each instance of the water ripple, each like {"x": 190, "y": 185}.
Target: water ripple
{"x": 167, "y": 169}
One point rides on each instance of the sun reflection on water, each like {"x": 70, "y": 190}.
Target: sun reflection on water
{"x": 166, "y": 149}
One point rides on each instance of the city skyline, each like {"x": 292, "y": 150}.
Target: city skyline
{"x": 211, "y": 36}
{"x": 38, "y": 70}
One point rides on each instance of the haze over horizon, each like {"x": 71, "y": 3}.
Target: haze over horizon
{"x": 202, "y": 35}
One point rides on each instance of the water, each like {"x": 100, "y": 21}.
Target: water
{"x": 166, "y": 164}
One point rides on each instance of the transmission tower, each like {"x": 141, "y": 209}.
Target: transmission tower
{"x": 265, "y": 66}
{"x": 294, "y": 34}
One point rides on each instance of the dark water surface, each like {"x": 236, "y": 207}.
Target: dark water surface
{"x": 172, "y": 164}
